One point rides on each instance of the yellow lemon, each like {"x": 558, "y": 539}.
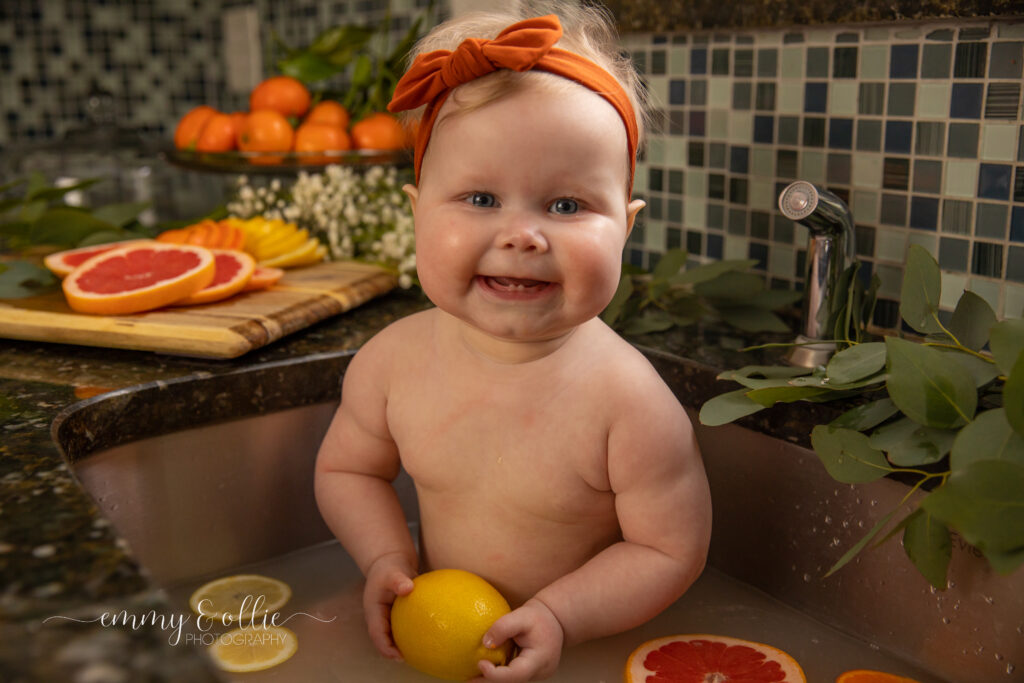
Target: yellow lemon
{"x": 253, "y": 649}
{"x": 439, "y": 627}
{"x": 242, "y": 597}
{"x": 310, "y": 251}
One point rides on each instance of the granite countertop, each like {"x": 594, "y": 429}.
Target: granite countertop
{"x": 60, "y": 556}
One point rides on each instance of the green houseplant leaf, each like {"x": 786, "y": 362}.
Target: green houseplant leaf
{"x": 19, "y": 279}
{"x": 856, "y": 362}
{"x": 919, "y": 296}
{"x": 727, "y": 407}
{"x": 1007, "y": 342}
{"x": 926, "y": 542}
{"x": 847, "y": 455}
{"x": 1013, "y": 396}
{"x": 867, "y": 415}
{"x": 927, "y": 387}
{"x": 909, "y": 444}
{"x": 988, "y": 437}
{"x": 972, "y": 320}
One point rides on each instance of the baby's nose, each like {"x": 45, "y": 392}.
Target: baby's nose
{"x": 522, "y": 235}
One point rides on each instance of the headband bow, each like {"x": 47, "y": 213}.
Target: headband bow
{"x": 523, "y": 46}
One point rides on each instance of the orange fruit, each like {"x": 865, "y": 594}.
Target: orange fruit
{"x": 328, "y": 111}
{"x": 186, "y": 134}
{"x": 237, "y": 120}
{"x": 62, "y": 263}
{"x": 138, "y": 277}
{"x": 868, "y": 676}
{"x": 232, "y": 271}
{"x": 175, "y": 236}
{"x": 320, "y": 137}
{"x": 378, "y": 131}
{"x": 283, "y": 94}
{"x": 217, "y": 135}
{"x": 711, "y": 658}
{"x": 263, "y": 277}
{"x": 266, "y": 131}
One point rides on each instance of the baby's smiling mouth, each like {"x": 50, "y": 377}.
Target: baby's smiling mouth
{"x": 513, "y": 285}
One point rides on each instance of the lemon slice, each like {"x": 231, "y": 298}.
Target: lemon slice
{"x": 241, "y": 596}
{"x": 302, "y": 256}
{"x": 253, "y": 649}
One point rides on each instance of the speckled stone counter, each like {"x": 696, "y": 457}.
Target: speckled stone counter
{"x": 62, "y": 564}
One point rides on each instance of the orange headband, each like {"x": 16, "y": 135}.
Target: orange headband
{"x": 523, "y": 46}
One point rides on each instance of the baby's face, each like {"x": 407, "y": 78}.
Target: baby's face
{"x": 521, "y": 213}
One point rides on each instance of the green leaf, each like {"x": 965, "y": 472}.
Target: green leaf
{"x": 847, "y": 455}
{"x": 752, "y": 319}
{"x": 31, "y": 211}
{"x": 988, "y": 437}
{"x": 769, "y": 396}
{"x": 1007, "y": 341}
{"x": 824, "y": 382}
{"x": 866, "y": 416}
{"x": 775, "y": 299}
{"x": 919, "y": 295}
{"x": 613, "y": 311}
{"x": 859, "y": 545}
{"x": 909, "y": 444}
{"x": 767, "y": 371}
{"x": 983, "y": 503}
{"x": 1005, "y": 562}
{"x": 669, "y": 264}
{"x": 927, "y": 387}
{"x": 982, "y": 370}
{"x": 972, "y": 320}
{"x": 856, "y": 362}
{"x": 48, "y": 194}
{"x": 927, "y": 544}
{"x": 309, "y": 67}
{"x": 19, "y": 279}
{"x": 1013, "y": 396}
{"x": 709, "y": 271}
{"x": 727, "y": 407}
{"x": 120, "y": 215}
{"x": 731, "y": 286}
{"x": 65, "y": 225}
{"x": 651, "y": 320}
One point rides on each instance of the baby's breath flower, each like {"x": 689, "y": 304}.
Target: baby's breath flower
{"x": 360, "y": 215}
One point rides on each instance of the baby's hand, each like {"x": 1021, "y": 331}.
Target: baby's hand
{"x": 388, "y": 577}
{"x": 536, "y": 631}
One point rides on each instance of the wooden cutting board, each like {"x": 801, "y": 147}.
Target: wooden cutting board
{"x": 225, "y": 329}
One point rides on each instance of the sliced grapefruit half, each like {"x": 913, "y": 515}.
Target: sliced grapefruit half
{"x": 700, "y": 658}
{"x": 138, "y": 277}
{"x": 61, "y": 263}
{"x": 263, "y": 277}
{"x": 232, "y": 273}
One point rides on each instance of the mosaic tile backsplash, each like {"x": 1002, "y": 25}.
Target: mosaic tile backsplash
{"x": 918, "y": 126}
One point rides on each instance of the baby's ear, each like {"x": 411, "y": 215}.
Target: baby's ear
{"x": 412, "y": 192}
{"x": 631, "y": 211}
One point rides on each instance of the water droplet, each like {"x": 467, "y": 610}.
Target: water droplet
{"x": 807, "y": 578}
{"x": 945, "y": 620}
{"x": 860, "y": 524}
{"x": 999, "y": 657}
{"x": 828, "y": 519}
{"x": 815, "y": 641}
{"x": 956, "y": 605}
{"x": 951, "y": 584}
{"x": 1010, "y": 668}
{"x": 835, "y": 542}
{"x": 932, "y": 589}
{"x": 874, "y": 646}
{"x": 846, "y": 524}
{"x": 978, "y": 650}
{"x": 989, "y": 599}
{"x": 873, "y": 503}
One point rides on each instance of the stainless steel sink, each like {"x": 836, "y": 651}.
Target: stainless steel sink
{"x": 235, "y": 495}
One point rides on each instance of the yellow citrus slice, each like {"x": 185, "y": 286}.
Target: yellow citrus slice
{"x": 241, "y": 596}
{"x": 138, "y": 277}
{"x": 439, "y": 626}
{"x": 233, "y": 270}
{"x": 868, "y": 676}
{"x": 707, "y": 657}
{"x": 309, "y": 252}
{"x": 281, "y": 242}
{"x": 253, "y": 649}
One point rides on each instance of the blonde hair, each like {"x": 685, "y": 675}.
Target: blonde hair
{"x": 586, "y": 30}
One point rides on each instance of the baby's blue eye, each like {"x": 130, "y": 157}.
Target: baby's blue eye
{"x": 483, "y": 200}
{"x": 565, "y": 206}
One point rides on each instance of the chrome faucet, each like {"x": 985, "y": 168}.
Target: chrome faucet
{"x": 829, "y": 252}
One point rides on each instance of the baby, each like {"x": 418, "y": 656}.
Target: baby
{"x": 547, "y": 454}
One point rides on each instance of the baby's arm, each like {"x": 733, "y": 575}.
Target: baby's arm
{"x": 664, "y": 509}
{"x": 355, "y": 466}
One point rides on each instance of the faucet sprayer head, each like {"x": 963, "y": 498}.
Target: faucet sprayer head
{"x": 819, "y": 211}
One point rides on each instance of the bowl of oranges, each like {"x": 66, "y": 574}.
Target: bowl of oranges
{"x": 286, "y": 126}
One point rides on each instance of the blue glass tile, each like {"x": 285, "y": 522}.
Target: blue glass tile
{"x": 739, "y": 159}
{"x": 720, "y": 62}
{"x": 840, "y": 133}
{"x": 697, "y": 120}
{"x": 742, "y": 95}
{"x": 655, "y": 179}
{"x": 698, "y": 61}
{"x": 965, "y": 102}
{"x": 1015, "y": 264}
{"x": 789, "y": 130}
{"x": 935, "y": 61}
{"x": 814, "y": 132}
{"x": 924, "y": 213}
{"x": 767, "y": 62}
{"x": 698, "y": 93}
{"x": 844, "y": 64}
{"x": 903, "y": 61}
{"x": 714, "y": 246}
{"x": 817, "y": 62}
{"x": 1006, "y": 61}
{"x": 760, "y": 252}
{"x": 675, "y": 182}
{"x": 674, "y": 238}
{"x": 815, "y": 97}
{"x": 1017, "y": 224}
{"x": 898, "y": 135}
{"x": 970, "y": 60}
{"x": 991, "y": 220}
{"x": 994, "y": 181}
{"x": 764, "y": 129}
{"x": 987, "y": 259}
{"x": 743, "y": 62}
{"x": 716, "y": 216}
{"x": 765, "y": 97}
{"x": 953, "y": 254}
{"x": 676, "y": 92}
{"x": 676, "y": 122}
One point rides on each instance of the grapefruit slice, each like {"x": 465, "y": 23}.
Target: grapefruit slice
{"x": 262, "y": 278}
{"x": 233, "y": 270}
{"x": 61, "y": 263}
{"x": 868, "y": 676}
{"x": 138, "y": 277}
{"x": 700, "y": 658}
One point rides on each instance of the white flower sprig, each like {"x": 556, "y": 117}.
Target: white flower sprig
{"x": 361, "y": 215}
